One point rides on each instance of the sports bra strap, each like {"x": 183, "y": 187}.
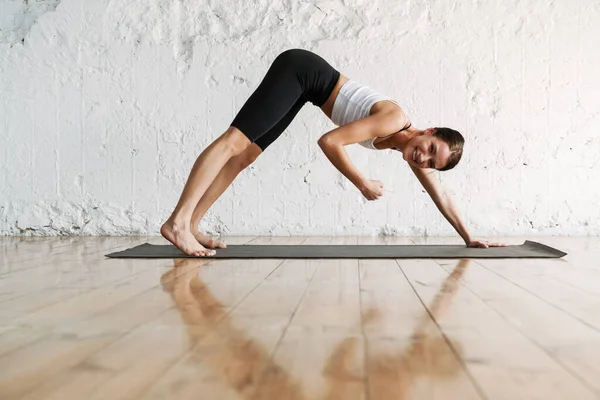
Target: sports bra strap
{"x": 409, "y": 124}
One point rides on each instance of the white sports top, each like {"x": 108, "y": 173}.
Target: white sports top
{"x": 353, "y": 102}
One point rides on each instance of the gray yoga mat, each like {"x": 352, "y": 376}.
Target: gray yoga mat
{"x": 528, "y": 249}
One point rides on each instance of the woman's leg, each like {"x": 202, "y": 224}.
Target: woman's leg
{"x": 228, "y": 173}
{"x": 234, "y": 166}
{"x": 276, "y": 95}
{"x": 208, "y": 165}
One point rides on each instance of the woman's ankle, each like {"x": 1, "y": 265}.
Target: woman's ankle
{"x": 178, "y": 224}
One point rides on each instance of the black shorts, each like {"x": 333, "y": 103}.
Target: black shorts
{"x": 295, "y": 77}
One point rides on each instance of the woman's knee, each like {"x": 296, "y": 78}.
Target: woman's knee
{"x": 247, "y": 157}
{"x": 236, "y": 140}
{"x": 251, "y": 154}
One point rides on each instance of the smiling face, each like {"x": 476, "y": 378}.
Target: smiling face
{"x": 427, "y": 151}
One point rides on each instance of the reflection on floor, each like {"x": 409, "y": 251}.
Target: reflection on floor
{"x": 75, "y": 325}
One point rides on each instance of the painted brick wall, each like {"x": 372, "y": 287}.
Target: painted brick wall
{"x": 106, "y": 104}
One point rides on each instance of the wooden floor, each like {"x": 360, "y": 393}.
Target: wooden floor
{"x": 76, "y": 325}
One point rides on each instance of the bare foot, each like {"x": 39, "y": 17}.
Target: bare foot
{"x": 183, "y": 240}
{"x": 206, "y": 241}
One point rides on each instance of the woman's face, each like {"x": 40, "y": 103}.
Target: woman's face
{"x": 427, "y": 151}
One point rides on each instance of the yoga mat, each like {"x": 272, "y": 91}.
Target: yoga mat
{"x": 528, "y": 249}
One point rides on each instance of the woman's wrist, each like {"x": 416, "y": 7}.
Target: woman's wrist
{"x": 360, "y": 184}
{"x": 467, "y": 239}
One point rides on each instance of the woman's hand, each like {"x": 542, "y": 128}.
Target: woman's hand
{"x": 485, "y": 244}
{"x": 371, "y": 189}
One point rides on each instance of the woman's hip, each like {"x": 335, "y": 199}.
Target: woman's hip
{"x": 315, "y": 75}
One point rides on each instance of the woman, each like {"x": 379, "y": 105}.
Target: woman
{"x": 362, "y": 115}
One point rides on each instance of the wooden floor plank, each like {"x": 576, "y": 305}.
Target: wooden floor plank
{"x": 31, "y": 290}
{"x": 74, "y": 337}
{"x": 48, "y": 253}
{"x": 71, "y": 302}
{"x": 407, "y": 356}
{"x": 317, "y": 240}
{"x": 28, "y": 302}
{"x": 502, "y": 362}
{"x": 399, "y": 240}
{"x": 330, "y": 363}
{"x": 560, "y": 283}
{"x": 371, "y": 240}
{"x": 8, "y": 243}
{"x": 570, "y": 344}
{"x": 79, "y": 275}
{"x": 126, "y": 367}
{"x": 340, "y": 240}
{"x": 230, "y": 360}
{"x": 73, "y": 311}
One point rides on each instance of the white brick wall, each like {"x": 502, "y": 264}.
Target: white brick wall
{"x": 106, "y": 105}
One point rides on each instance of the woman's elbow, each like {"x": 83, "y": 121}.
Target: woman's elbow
{"x": 324, "y": 141}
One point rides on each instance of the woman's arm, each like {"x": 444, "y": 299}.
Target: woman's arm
{"x": 371, "y": 189}
{"x": 332, "y": 143}
{"x": 339, "y": 158}
{"x": 442, "y": 200}
{"x": 447, "y": 207}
